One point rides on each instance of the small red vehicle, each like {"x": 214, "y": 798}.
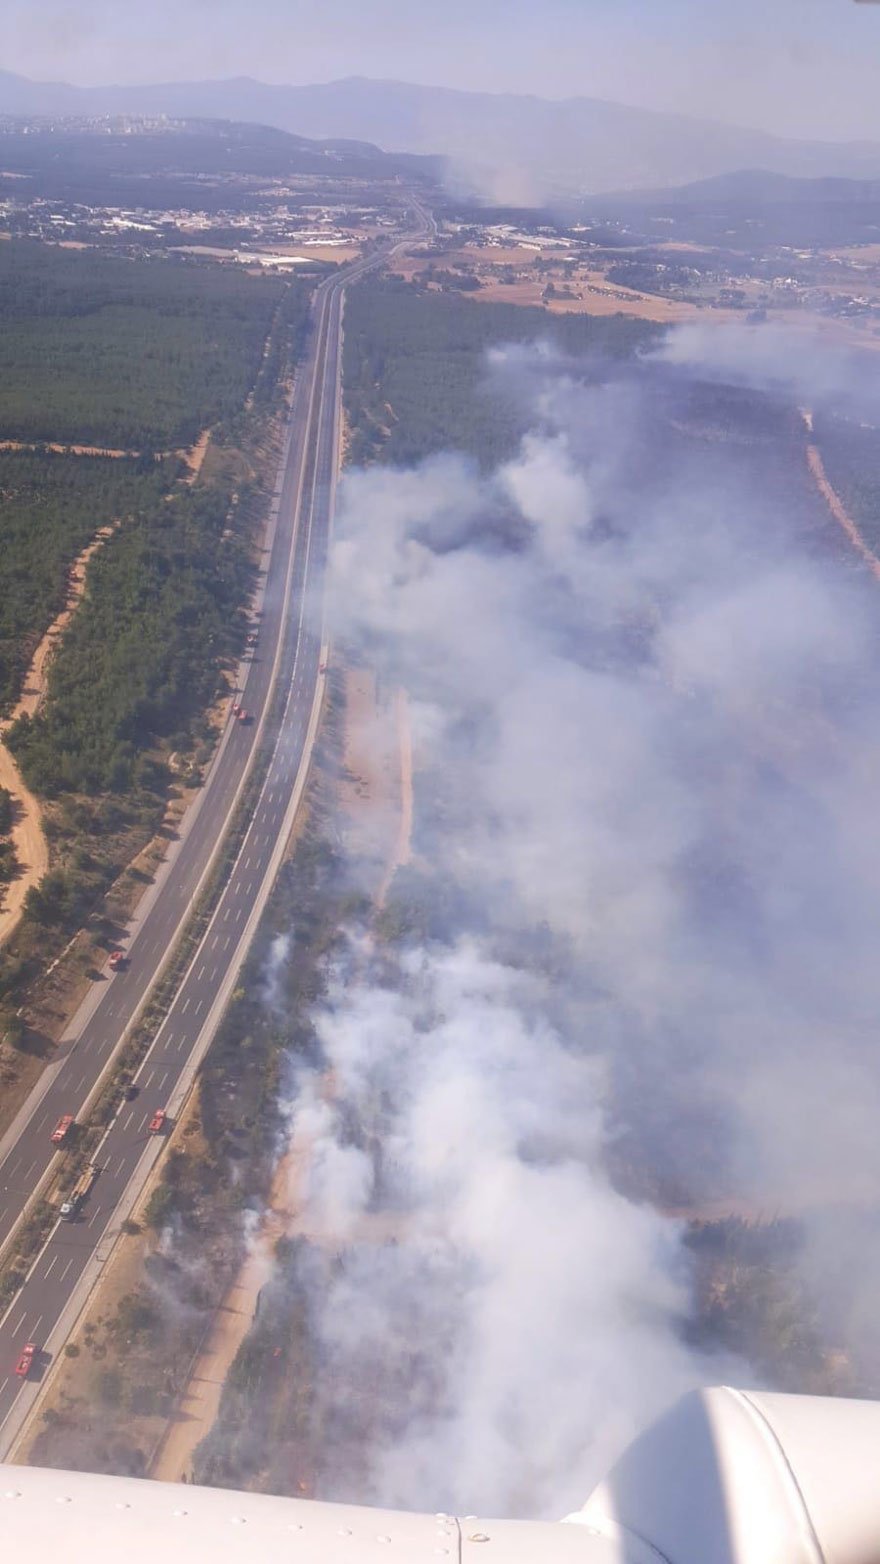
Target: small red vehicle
{"x": 117, "y": 960}
{"x": 242, "y": 715}
{"x": 157, "y": 1122}
{"x": 23, "y": 1366}
{"x": 252, "y": 638}
{"x": 236, "y": 708}
{"x": 62, "y": 1129}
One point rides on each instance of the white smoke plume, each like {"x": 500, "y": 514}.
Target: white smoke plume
{"x": 643, "y": 685}
{"x": 524, "y": 1315}
{"x": 277, "y": 957}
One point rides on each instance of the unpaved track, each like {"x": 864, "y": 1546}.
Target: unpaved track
{"x": 200, "y": 1402}
{"x": 28, "y": 836}
{"x": 193, "y": 455}
{"x": 230, "y": 1324}
{"x": 835, "y": 504}
{"x": 196, "y": 455}
{"x": 29, "y": 841}
{"x": 35, "y": 683}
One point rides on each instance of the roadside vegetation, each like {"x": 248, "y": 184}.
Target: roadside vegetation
{"x": 140, "y": 658}
{"x": 133, "y": 354}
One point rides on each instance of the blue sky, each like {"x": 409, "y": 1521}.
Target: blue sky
{"x": 802, "y": 67}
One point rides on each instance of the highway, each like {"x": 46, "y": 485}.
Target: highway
{"x": 287, "y": 661}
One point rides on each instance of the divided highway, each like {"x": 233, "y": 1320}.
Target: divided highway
{"x": 287, "y": 661}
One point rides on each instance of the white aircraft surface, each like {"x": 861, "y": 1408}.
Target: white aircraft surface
{"x": 725, "y": 1477}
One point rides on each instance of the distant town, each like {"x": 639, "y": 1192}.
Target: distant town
{"x": 662, "y": 262}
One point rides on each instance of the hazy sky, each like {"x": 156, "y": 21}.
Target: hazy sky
{"x": 803, "y": 67}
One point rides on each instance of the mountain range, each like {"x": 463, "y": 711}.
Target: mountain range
{"x": 511, "y": 148}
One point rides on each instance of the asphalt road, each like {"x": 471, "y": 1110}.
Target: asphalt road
{"x": 290, "y": 622}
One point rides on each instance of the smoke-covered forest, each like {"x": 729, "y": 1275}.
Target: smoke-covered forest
{"x": 605, "y": 1048}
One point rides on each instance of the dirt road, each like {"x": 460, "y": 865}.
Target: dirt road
{"x": 28, "y": 836}
{"x": 29, "y": 841}
{"x": 193, "y": 455}
{"x": 833, "y": 501}
{"x": 200, "y": 1402}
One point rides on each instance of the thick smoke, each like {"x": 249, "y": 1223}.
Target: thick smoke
{"x": 511, "y": 1315}
{"x": 775, "y": 355}
{"x": 646, "y": 725}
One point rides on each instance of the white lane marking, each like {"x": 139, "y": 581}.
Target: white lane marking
{"x": 214, "y": 973}
{"x": 129, "y": 1119}
{"x": 20, "y": 1323}
{"x": 143, "y": 1120}
{"x": 66, "y": 1269}
{"x": 162, "y": 1082}
{"x": 226, "y": 914}
{"x": 120, "y": 1166}
{"x": 200, "y": 975}
{"x": 200, "y": 1006}
{"x": 149, "y": 1077}
{"x": 35, "y": 1327}
{"x": 213, "y": 944}
{"x": 184, "y": 1007}
{"x": 31, "y": 1168}
{"x": 50, "y": 1267}
{"x": 13, "y": 1165}
{"x": 227, "y": 942}
{"x": 94, "y": 1216}
{"x": 247, "y": 861}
